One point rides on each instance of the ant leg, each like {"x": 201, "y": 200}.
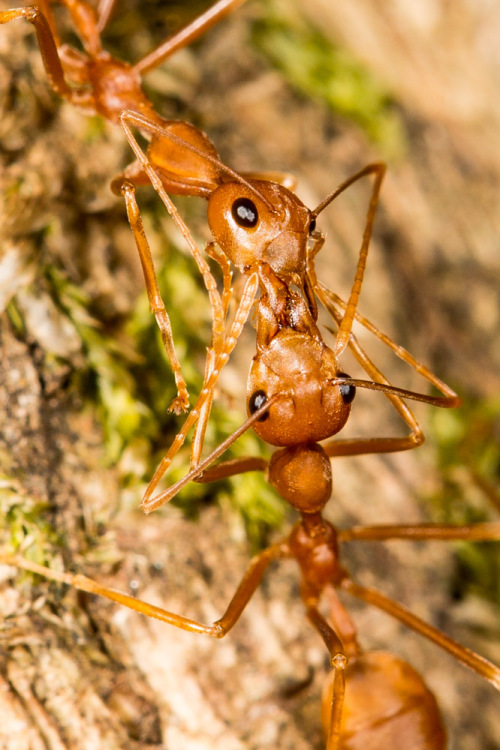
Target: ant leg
{"x": 232, "y": 467}
{"x": 150, "y": 503}
{"x": 216, "y": 254}
{"x": 217, "y": 343}
{"x": 201, "y": 424}
{"x": 187, "y": 34}
{"x": 477, "y": 663}
{"x": 218, "y": 306}
{"x": 356, "y": 446}
{"x": 378, "y": 169}
{"x": 85, "y": 21}
{"x": 181, "y": 402}
{"x": 330, "y": 299}
{"x": 104, "y": 10}
{"x": 200, "y": 177}
{"x": 45, "y": 8}
{"x": 424, "y": 532}
{"x": 47, "y": 42}
{"x": 218, "y": 629}
{"x": 227, "y": 468}
{"x": 210, "y": 283}
{"x": 338, "y": 661}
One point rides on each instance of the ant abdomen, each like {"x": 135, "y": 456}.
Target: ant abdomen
{"x": 386, "y": 705}
{"x": 184, "y": 171}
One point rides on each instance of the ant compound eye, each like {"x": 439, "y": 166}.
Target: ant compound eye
{"x": 255, "y": 402}
{"x": 312, "y": 226}
{"x": 346, "y": 391}
{"x": 245, "y": 213}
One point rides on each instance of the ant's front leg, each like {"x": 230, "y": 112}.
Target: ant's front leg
{"x": 150, "y": 501}
{"x": 181, "y": 402}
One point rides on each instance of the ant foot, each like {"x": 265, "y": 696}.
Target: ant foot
{"x": 179, "y": 405}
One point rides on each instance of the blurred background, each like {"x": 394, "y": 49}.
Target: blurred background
{"x": 316, "y": 91}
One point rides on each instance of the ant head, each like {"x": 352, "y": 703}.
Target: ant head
{"x": 313, "y": 405}
{"x": 259, "y": 222}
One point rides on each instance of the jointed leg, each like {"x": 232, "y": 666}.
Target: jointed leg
{"x": 187, "y": 34}
{"x": 149, "y": 502}
{"x": 181, "y": 402}
{"x": 216, "y": 345}
{"x": 48, "y": 44}
{"x": 378, "y": 170}
{"x": 338, "y": 661}
{"x": 358, "y": 446}
{"x": 195, "y": 143}
{"x": 218, "y": 629}
{"x": 216, "y": 254}
{"x": 45, "y": 7}
{"x": 477, "y": 663}
{"x": 344, "y": 315}
{"x": 477, "y": 532}
{"x": 210, "y": 283}
{"x": 332, "y": 301}
{"x": 201, "y": 424}
{"x": 104, "y": 10}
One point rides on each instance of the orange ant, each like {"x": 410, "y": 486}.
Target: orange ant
{"x": 298, "y": 395}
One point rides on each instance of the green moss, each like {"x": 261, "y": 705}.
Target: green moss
{"x": 25, "y": 520}
{"x": 107, "y": 382}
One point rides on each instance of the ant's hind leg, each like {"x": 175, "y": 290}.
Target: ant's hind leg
{"x": 478, "y": 664}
